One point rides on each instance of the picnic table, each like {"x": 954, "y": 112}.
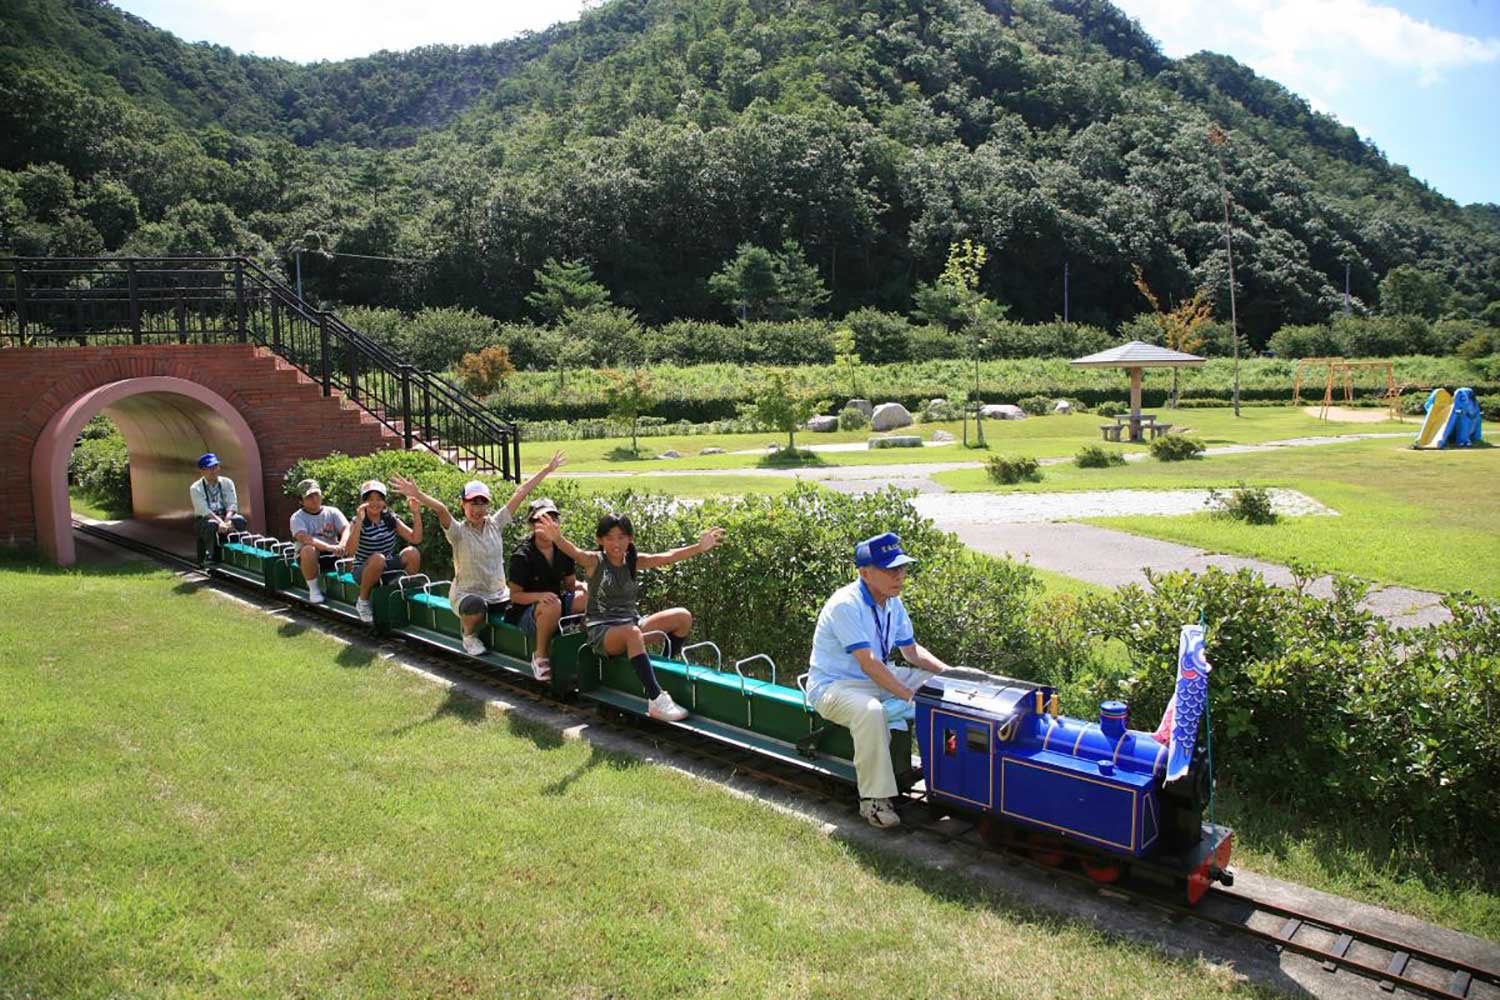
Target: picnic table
{"x": 1138, "y": 424}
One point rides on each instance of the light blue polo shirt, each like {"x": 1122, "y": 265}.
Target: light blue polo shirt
{"x": 849, "y": 621}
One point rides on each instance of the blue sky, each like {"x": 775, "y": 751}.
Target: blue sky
{"x": 1421, "y": 78}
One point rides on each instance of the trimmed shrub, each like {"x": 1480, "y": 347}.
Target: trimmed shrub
{"x": 1110, "y": 408}
{"x": 935, "y": 343}
{"x": 1303, "y": 342}
{"x": 880, "y": 337}
{"x": 940, "y": 410}
{"x": 1035, "y": 406}
{"x": 1011, "y": 470}
{"x": 1175, "y": 448}
{"x": 852, "y": 419}
{"x": 1096, "y": 456}
{"x": 100, "y": 469}
{"x": 1251, "y": 504}
{"x": 1402, "y": 720}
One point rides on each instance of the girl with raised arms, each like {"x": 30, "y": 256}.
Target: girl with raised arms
{"x": 614, "y": 622}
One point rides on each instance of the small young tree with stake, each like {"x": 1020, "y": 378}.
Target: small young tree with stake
{"x": 786, "y": 404}
{"x": 629, "y": 395}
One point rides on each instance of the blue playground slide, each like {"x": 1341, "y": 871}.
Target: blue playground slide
{"x": 1452, "y": 419}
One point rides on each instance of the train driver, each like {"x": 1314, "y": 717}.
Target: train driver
{"x": 850, "y": 678}
{"x": 215, "y": 507}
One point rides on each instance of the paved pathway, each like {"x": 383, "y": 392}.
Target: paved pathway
{"x": 1035, "y": 527}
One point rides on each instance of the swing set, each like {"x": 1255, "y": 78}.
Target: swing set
{"x": 1343, "y": 371}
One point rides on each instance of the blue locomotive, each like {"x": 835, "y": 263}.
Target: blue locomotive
{"x": 997, "y": 747}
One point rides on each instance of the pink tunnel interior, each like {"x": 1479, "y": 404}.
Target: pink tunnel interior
{"x": 167, "y": 423}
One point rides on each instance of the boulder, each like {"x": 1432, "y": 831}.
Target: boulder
{"x": 862, "y": 405}
{"x": 670, "y": 453}
{"x": 897, "y": 441}
{"x": 889, "y": 416}
{"x": 823, "y": 424}
{"x": 712, "y": 451}
{"x": 1062, "y": 406}
{"x": 1002, "y": 411}
{"x": 943, "y": 436}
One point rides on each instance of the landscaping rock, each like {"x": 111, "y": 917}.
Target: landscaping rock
{"x": 823, "y": 424}
{"x": 942, "y": 436}
{"x": 862, "y": 405}
{"x": 712, "y": 451}
{"x": 1062, "y": 406}
{"x": 1002, "y": 411}
{"x": 889, "y": 416}
{"x": 773, "y": 446}
{"x": 897, "y": 441}
{"x": 670, "y": 453}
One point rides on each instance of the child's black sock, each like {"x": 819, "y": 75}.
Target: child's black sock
{"x": 642, "y": 665}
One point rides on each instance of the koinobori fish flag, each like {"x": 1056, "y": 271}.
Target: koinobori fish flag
{"x": 1179, "y": 724}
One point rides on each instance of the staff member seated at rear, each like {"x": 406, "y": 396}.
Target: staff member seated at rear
{"x": 372, "y": 537}
{"x": 320, "y": 530}
{"x": 215, "y": 507}
{"x": 614, "y": 622}
{"x": 478, "y": 551}
{"x": 849, "y": 678}
{"x": 544, "y": 586}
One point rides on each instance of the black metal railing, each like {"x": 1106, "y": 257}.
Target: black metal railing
{"x": 61, "y": 301}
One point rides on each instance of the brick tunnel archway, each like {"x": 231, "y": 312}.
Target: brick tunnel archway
{"x": 167, "y": 423}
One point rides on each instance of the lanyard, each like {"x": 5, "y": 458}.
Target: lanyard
{"x": 882, "y": 628}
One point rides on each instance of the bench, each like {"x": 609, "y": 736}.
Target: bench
{"x": 1111, "y": 432}
{"x": 1157, "y": 430}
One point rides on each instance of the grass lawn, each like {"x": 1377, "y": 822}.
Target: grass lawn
{"x": 689, "y": 487}
{"x": 1040, "y": 437}
{"x": 84, "y": 507}
{"x": 1421, "y": 518}
{"x": 200, "y": 802}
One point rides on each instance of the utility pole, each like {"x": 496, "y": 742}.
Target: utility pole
{"x": 1346, "y": 288}
{"x": 1217, "y": 138}
{"x": 1065, "y": 289}
{"x": 298, "y": 253}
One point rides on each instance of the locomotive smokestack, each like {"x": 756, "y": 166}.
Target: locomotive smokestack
{"x": 1113, "y": 717}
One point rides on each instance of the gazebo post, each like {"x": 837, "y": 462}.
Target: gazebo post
{"x": 1135, "y": 404}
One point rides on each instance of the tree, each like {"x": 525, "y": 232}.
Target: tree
{"x": 845, "y": 359}
{"x": 748, "y": 282}
{"x": 785, "y": 404}
{"x": 565, "y": 285}
{"x": 629, "y": 395}
{"x": 485, "y": 373}
{"x": 562, "y": 350}
{"x": 799, "y": 287}
{"x": 1411, "y": 291}
{"x": 1182, "y": 327}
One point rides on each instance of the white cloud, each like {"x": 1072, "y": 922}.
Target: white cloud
{"x": 1325, "y": 42}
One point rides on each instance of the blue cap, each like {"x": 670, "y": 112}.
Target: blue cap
{"x": 208, "y": 460}
{"x": 883, "y": 551}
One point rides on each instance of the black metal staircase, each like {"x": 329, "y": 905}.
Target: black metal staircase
{"x": 58, "y": 301}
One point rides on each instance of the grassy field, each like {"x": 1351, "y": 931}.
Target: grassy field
{"x": 201, "y": 802}
{"x": 1040, "y": 437}
{"x": 1424, "y": 519}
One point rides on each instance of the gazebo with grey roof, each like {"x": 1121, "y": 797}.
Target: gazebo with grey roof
{"x": 1135, "y": 356}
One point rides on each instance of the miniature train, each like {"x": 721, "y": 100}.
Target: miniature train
{"x": 991, "y": 747}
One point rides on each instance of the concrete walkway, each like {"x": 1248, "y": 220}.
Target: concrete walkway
{"x": 1033, "y": 527}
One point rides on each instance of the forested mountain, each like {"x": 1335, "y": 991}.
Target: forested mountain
{"x": 653, "y": 138}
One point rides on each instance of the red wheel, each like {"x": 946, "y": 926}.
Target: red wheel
{"x": 1103, "y": 872}
{"x": 1045, "y": 850}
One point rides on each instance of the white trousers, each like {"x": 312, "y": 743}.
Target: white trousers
{"x": 858, "y": 705}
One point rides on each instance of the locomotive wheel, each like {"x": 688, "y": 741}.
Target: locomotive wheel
{"x": 1103, "y": 872}
{"x": 1045, "y": 850}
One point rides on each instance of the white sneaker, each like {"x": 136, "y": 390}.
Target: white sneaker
{"x": 541, "y": 668}
{"x": 365, "y": 610}
{"x": 473, "y": 645}
{"x": 664, "y": 708}
{"x": 315, "y": 593}
{"x": 879, "y": 812}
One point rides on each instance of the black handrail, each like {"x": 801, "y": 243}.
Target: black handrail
{"x": 137, "y": 300}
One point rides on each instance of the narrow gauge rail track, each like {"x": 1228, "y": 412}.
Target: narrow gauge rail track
{"x": 1390, "y": 963}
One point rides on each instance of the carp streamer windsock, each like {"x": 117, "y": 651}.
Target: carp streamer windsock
{"x": 1179, "y": 724}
